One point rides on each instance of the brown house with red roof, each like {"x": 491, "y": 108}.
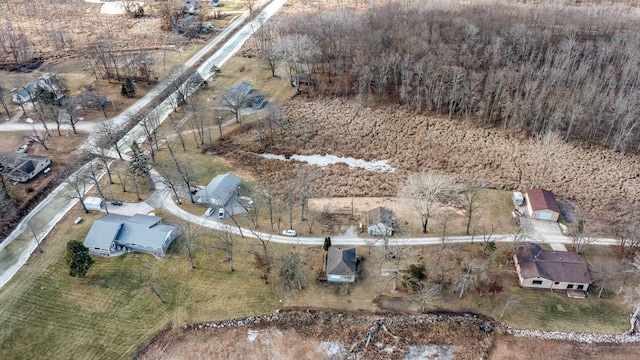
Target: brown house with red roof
{"x": 542, "y": 205}
{"x": 550, "y": 269}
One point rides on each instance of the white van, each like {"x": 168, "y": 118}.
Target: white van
{"x": 518, "y": 199}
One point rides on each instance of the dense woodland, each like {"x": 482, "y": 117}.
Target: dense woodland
{"x": 535, "y": 68}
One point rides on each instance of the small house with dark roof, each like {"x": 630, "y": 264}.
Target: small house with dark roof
{"x": 219, "y": 190}
{"x": 379, "y": 222}
{"x": 550, "y": 269}
{"x": 23, "y": 167}
{"x": 542, "y": 205}
{"x": 341, "y": 264}
{"x": 115, "y": 234}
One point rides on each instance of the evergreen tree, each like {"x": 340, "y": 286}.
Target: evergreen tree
{"x": 78, "y": 258}
{"x": 128, "y": 89}
{"x": 139, "y": 165}
{"x": 45, "y": 96}
{"x": 327, "y": 244}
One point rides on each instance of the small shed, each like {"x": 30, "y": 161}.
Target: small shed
{"x": 542, "y": 205}
{"x": 379, "y": 222}
{"x": 341, "y": 264}
{"x": 94, "y": 203}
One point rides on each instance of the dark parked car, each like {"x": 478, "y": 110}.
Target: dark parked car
{"x": 116, "y": 202}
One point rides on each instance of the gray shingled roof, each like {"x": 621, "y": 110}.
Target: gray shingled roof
{"x": 219, "y": 190}
{"x": 104, "y": 231}
{"x": 341, "y": 261}
{"x": 141, "y": 230}
{"x": 379, "y": 215}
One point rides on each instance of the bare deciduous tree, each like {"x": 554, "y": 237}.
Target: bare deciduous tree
{"x": 605, "y": 274}
{"x": 39, "y": 137}
{"x": 3, "y": 101}
{"x": 467, "y": 276}
{"x": 429, "y": 296}
{"x": 189, "y": 233}
{"x": 424, "y": 190}
{"x": 78, "y": 184}
{"x": 511, "y": 302}
{"x": 225, "y": 240}
{"x": 584, "y": 229}
{"x": 291, "y": 272}
{"x": 110, "y": 133}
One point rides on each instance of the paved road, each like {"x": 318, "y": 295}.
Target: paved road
{"x": 13, "y": 254}
{"x": 230, "y": 47}
{"x": 162, "y": 199}
{"x": 15, "y": 250}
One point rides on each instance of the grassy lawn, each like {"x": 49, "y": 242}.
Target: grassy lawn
{"x": 536, "y": 309}
{"x": 111, "y": 313}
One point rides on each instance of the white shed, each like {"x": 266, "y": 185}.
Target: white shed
{"x": 94, "y": 203}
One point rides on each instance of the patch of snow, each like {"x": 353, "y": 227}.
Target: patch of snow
{"x": 252, "y": 335}
{"x": 325, "y": 160}
{"x": 29, "y": 120}
{"x": 118, "y": 7}
{"x": 426, "y": 352}
{"x": 331, "y": 348}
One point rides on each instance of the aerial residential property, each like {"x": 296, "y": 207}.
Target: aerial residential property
{"x": 551, "y": 269}
{"x": 542, "y": 205}
{"x": 341, "y": 264}
{"x": 115, "y": 234}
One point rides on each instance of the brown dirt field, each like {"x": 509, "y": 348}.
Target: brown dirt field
{"x": 598, "y": 178}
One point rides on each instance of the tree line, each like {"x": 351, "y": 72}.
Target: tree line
{"x": 549, "y": 68}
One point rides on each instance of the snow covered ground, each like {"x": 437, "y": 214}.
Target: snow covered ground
{"x": 118, "y": 7}
{"x": 324, "y": 160}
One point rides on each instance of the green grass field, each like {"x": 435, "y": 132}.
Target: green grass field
{"x": 111, "y": 314}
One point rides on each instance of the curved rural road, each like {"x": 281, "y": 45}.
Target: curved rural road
{"x": 15, "y": 249}
{"x": 162, "y": 199}
{"x": 13, "y": 254}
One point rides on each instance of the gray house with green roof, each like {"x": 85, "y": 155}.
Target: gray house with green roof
{"x": 115, "y": 234}
{"x": 341, "y": 264}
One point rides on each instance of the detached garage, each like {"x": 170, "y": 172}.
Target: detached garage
{"x": 542, "y": 205}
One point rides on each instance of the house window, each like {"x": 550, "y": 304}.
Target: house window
{"x": 537, "y": 282}
{"x": 580, "y": 287}
{"x": 570, "y": 286}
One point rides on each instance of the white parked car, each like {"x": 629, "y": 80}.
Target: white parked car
{"x": 221, "y": 213}
{"x": 290, "y": 232}
{"x": 209, "y": 212}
